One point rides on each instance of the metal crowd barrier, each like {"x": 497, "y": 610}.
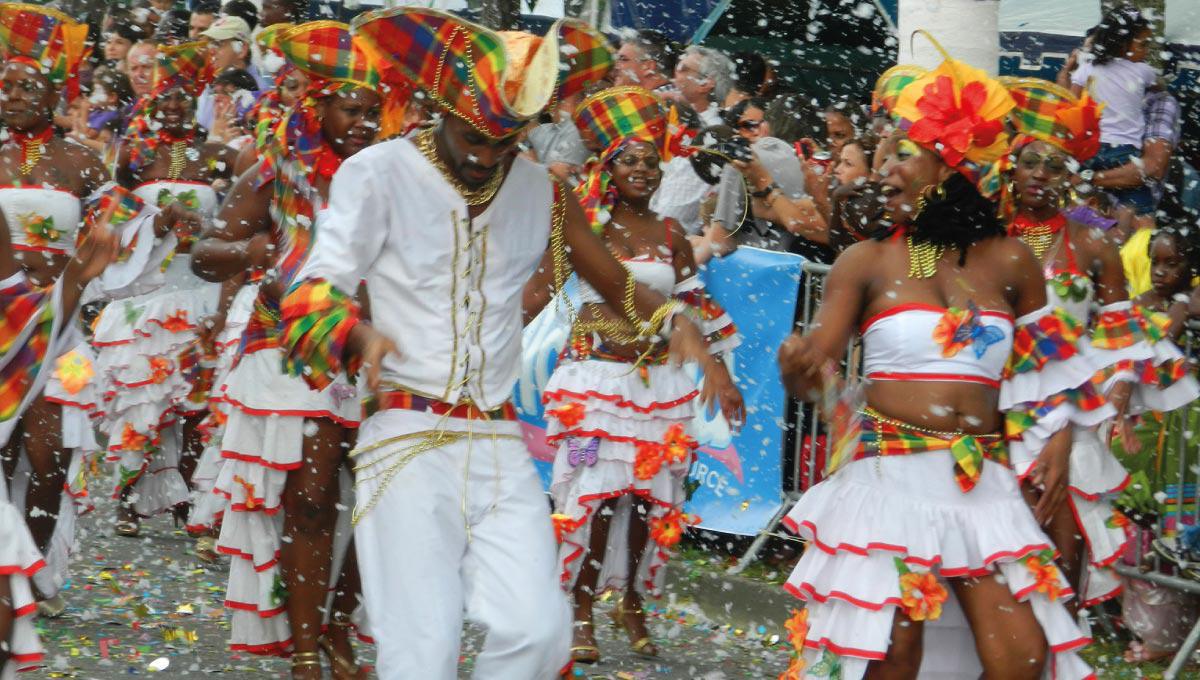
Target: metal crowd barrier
{"x": 1179, "y": 510}
{"x": 1181, "y": 503}
{"x": 808, "y": 453}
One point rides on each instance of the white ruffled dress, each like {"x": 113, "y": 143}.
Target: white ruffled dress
{"x": 145, "y": 343}
{"x": 878, "y": 519}
{"x": 1125, "y": 345}
{"x": 600, "y": 413}
{"x": 264, "y": 438}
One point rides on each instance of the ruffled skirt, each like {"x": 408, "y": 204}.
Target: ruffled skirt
{"x": 616, "y": 411}
{"x": 19, "y": 563}
{"x": 263, "y": 440}
{"x": 885, "y": 533}
{"x": 145, "y": 346}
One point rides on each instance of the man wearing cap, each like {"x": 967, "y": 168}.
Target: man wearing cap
{"x": 230, "y": 37}
{"x": 445, "y": 229}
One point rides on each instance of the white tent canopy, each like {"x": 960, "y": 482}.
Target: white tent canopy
{"x": 1075, "y": 17}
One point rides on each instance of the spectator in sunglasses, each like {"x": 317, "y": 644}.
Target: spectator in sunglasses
{"x": 748, "y": 118}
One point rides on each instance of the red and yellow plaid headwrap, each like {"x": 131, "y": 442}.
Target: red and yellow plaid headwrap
{"x": 957, "y": 112}
{"x": 46, "y": 39}
{"x": 496, "y": 82}
{"x": 610, "y": 119}
{"x": 1046, "y": 112}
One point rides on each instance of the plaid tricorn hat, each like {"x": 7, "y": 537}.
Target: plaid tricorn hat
{"x": 1047, "y": 112}
{"x": 45, "y": 39}
{"x": 326, "y": 51}
{"x": 182, "y": 66}
{"x": 496, "y": 82}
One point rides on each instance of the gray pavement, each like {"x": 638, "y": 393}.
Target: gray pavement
{"x": 146, "y": 606}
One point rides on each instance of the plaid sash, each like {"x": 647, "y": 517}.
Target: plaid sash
{"x": 403, "y": 399}
{"x": 884, "y": 437}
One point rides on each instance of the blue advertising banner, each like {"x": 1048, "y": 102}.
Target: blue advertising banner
{"x": 739, "y": 473}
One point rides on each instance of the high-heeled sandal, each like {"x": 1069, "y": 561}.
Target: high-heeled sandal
{"x": 643, "y": 646}
{"x": 585, "y": 653}
{"x": 336, "y": 660}
{"x": 305, "y": 660}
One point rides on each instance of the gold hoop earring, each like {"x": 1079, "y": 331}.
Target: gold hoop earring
{"x": 934, "y": 191}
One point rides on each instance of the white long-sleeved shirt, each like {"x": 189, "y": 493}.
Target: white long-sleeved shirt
{"x": 446, "y": 288}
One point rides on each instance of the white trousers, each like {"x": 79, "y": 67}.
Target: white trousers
{"x": 422, "y": 567}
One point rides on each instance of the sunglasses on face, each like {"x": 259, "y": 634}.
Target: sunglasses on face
{"x": 749, "y": 125}
{"x": 1053, "y": 163}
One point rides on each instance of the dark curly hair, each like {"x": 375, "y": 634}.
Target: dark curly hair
{"x": 959, "y": 219}
{"x": 1184, "y": 235}
{"x": 1115, "y": 31}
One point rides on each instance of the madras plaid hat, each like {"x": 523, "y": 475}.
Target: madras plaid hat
{"x": 611, "y": 117}
{"x": 183, "y": 66}
{"x": 496, "y": 82}
{"x": 1047, "y": 112}
{"x": 956, "y": 111}
{"x": 326, "y": 51}
{"x": 45, "y": 39}
{"x": 888, "y": 87}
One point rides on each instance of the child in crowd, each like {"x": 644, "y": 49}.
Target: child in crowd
{"x": 1118, "y": 77}
{"x": 1160, "y": 618}
{"x": 99, "y": 119}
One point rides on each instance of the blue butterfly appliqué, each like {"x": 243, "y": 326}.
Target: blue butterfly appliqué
{"x": 978, "y": 335}
{"x": 582, "y": 455}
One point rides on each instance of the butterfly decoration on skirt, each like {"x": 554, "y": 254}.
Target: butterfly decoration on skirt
{"x": 582, "y": 454}
{"x": 959, "y": 328}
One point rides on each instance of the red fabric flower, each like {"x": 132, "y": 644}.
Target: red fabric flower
{"x": 132, "y": 440}
{"x": 953, "y": 126}
{"x": 570, "y": 414}
{"x": 797, "y": 633}
{"x": 563, "y": 525}
{"x": 160, "y": 368}
{"x": 921, "y": 596}
{"x": 677, "y": 446}
{"x": 649, "y": 460}
{"x": 1045, "y": 575}
{"x": 668, "y": 529}
{"x": 177, "y": 322}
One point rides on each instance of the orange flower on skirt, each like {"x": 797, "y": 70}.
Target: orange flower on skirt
{"x": 570, "y": 414}
{"x": 1045, "y": 574}
{"x": 678, "y": 446}
{"x": 248, "y": 489}
{"x": 921, "y": 595}
{"x": 132, "y": 440}
{"x": 177, "y": 322}
{"x": 649, "y": 460}
{"x": 160, "y": 368}
{"x": 668, "y": 529}
{"x": 74, "y": 370}
{"x": 563, "y": 525}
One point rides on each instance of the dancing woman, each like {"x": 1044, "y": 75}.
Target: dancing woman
{"x": 44, "y": 183}
{"x": 922, "y": 511}
{"x": 285, "y": 444}
{"x": 149, "y": 354}
{"x": 1083, "y": 270}
{"x": 618, "y": 408}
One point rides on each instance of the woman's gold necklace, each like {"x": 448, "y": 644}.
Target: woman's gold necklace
{"x": 480, "y": 196}
{"x": 923, "y": 258}
{"x": 1039, "y": 238}
{"x": 178, "y": 160}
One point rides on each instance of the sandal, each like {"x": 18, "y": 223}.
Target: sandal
{"x": 340, "y": 664}
{"x": 585, "y": 653}
{"x": 643, "y": 646}
{"x": 206, "y": 549}
{"x": 305, "y": 660}
{"x": 52, "y": 607}
{"x": 129, "y": 528}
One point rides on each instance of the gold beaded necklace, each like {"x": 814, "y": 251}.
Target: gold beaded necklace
{"x": 178, "y": 160}
{"x": 427, "y": 147}
{"x": 33, "y": 154}
{"x": 923, "y": 258}
{"x": 1039, "y": 239}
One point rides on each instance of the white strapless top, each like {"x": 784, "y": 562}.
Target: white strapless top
{"x": 657, "y": 275}
{"x": 197, "y": 196}
{"x": 925, "y": 342}
{"x": 41, "y": 219}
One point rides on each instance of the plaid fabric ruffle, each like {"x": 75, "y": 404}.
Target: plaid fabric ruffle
{"x": 25, "y": 334}
{"x": 1050, "y": 337}
{"x": 317, "y": 319}
{"x": 713, "y": 320}
{"x": 1084, "y": 398}
{"x": 119, "y": 205}
{"x": 1117, "y": 329}
{"x": 262, "y": 330}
